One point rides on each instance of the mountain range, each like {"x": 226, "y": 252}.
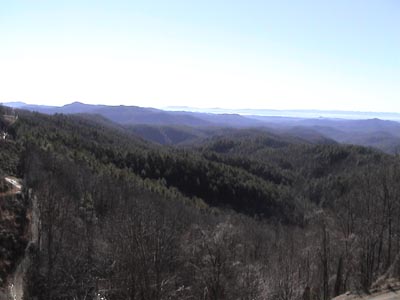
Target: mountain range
{"x": 183, "y": 126}
{"x": 144, "y": 201}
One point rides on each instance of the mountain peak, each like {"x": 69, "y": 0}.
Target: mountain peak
{"x": 15, "y": 104}
{"x": 76, "y": 103}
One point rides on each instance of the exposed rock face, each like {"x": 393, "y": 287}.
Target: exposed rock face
{"x": 13, "y": 232}
{"x": 19, "y": 222}
{"x": 17, "y": 283}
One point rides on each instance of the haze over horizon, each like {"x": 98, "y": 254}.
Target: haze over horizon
{"x": 246, "y": 112}
{"x": 342, "y": 55}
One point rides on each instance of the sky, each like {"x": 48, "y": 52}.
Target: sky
{"x": 298, "y": 54}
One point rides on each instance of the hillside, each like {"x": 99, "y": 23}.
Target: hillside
{"x": 170, "y": 135}
{"x": 174, "y": 127}
{"x": 227, "y": 212}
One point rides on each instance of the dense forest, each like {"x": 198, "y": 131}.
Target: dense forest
{"x": 234, "y": 214}
{"x": 180, "y": 127}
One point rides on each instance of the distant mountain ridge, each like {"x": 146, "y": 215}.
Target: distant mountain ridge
{"x": 183, "y": 126}
{"x": 135, "y": 115}
{"x": 293, "y": 113}
{"x": 245, "y": 112}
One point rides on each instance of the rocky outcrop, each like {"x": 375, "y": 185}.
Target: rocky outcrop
{"x": 19, "y": 223}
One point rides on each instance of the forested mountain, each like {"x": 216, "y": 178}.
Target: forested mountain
{"x": 174, "y": 212}
{"x": 133, "y": 115}
{"x": 170, "y": 135}
{"x": 174, "y": 127}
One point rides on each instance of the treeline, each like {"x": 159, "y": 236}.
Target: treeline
{"x": 242, "y": 216}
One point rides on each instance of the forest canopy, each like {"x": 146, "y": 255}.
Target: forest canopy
{"x": 241, "y": 214}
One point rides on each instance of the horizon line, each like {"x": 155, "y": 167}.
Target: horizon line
{"x": 200, "y": 109}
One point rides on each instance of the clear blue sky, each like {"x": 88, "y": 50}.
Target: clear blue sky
{"x": 336, "y": 54}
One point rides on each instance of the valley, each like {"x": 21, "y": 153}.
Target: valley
{"x": 159, "y": 212}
